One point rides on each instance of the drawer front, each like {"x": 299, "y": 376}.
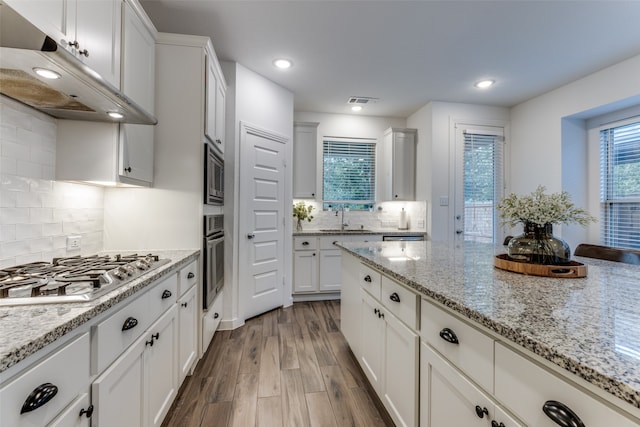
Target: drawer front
{"x": 327, "y": 242}
{"x": 473, "y": 352}
{"x": 163, "y": 296}
{"x": 400, "y": 301}
{"x": 525, "y": 388}
{"x": 370, "y": 280}
{"x": 303, "y": 243}
{"x": 366, "y": 238}
{"x": 119, "y": 331}
{"x": 188, "y": 277}
{"x": 67, "y": 369}
{"x": 211, "y": 321}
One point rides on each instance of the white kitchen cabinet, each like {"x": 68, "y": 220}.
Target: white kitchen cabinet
{"x": 89, "y": 29}
{"x": 398, "y": 164}
{"x": 447, "y": 398}
{"x": 389, "y": 358}
{"x": 350, "y": 304}
{"x": 305, "y": 143}
{"x": 211, "y": 320}
{"x": 215, "y": 89}
{"x": 188, "y": 334}
{"x": 139, "y": 387}
{"x": 305, "y": 274}
{"x": 330, "y": 278}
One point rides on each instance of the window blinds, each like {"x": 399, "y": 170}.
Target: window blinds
{"x": 482, "y": 182}
{"x": 349, "y": 171}
{"x": 620, "y": 185}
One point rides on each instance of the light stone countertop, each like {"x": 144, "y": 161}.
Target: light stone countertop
{"x": 588, "y": 326}
{"x": 355, "y": 231}
{"x": 28, "y": 328}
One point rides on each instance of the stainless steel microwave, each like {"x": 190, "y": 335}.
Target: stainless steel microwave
{"x": 213, "y": 176}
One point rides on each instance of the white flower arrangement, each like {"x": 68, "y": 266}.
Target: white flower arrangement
{"x": 541, "y": 209}
{"x": 302, "y": 212}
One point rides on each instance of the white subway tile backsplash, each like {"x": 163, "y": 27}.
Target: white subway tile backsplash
{"x": 36, "y": 212}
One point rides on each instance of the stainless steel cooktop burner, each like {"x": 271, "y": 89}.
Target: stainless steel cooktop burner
{"x": 72, "y": 279}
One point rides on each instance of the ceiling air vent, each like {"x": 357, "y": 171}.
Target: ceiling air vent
{"x": 360, "y": 100}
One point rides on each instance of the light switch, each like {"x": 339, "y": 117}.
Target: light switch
{"x": 444, "y": 201}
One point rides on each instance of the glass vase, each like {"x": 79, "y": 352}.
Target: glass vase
{"x": 538, "y": 245}
{"x": 299, "y": 225}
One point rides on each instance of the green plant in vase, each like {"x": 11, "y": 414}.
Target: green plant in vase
{"x": 302, "y": 212}
{"x": 538, "y": 212}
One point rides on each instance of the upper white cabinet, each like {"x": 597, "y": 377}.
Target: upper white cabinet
{"x": 305, "y": 137}
{"x": 398, "y": 164}
{"x": 216, "y": 90}
{"x": 116, "y": 154}
{"x": 89, "y": 29}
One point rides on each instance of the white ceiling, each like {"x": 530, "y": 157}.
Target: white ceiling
{"x": 408, "y": 53}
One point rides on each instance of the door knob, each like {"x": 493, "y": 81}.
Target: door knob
{"x": 250, "y": 236}
{"x": 458, "y": 231}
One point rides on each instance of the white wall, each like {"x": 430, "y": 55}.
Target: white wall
{"x": 253, "y": 99}
{"x": 36, "y": 212}
{"x": 538, "y": 151}
{"x": 436, "y": 156}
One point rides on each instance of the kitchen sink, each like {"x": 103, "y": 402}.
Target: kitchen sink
{"x": 337, "y": 230}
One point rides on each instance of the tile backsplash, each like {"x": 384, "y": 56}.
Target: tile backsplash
{"x": 36, "y": 212}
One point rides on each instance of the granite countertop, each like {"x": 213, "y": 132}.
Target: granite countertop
{"x": 386, "y": 232}
{"x": 588, "y": 326}
{"x": 28, "y": 328}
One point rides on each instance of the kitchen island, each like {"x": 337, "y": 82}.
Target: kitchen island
{"x": 585, "y": 329}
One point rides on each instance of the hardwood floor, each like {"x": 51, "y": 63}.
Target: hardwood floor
{"x": 288, "y": 367}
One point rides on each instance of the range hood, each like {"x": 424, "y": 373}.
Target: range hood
{"x": 78, "y": 94}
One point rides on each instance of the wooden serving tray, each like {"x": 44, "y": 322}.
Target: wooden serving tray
{"x": 573, "y": 270}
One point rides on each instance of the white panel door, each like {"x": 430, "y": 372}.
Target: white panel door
{"x": 262, "y": 210}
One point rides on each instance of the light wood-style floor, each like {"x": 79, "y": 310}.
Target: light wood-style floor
{"x": 288, "y": 367}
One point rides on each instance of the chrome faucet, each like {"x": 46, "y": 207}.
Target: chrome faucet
{"x": 342, "y": 223}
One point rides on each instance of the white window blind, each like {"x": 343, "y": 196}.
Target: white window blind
{"x": 349, "y": 172}
{"x": 483, "y": 182}
{"x": 620, "y": 185}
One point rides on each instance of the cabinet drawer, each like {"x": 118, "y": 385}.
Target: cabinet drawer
{"x": 112, "y": 336}
{"x": 525, "y": 387}
{"x": 400, "y": 301}
{"x": 370, "y": 280}
{"x": 473, "y": 352}
{"x": 327, "y": 242}
{"x": 67, "y": 369}
{"x": 211, "y": 321}
{"x": 163, "y": 296}
{"x": 303, "y": 243}
{"x": 188, "y": 277}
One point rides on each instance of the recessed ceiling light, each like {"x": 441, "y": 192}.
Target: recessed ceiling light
{"x": 115, "y": 115}
{"x": 47, "y": 74}
{"x": 283, "y": 64}
{"x": 483, "y": 84}
{"x": 356, "y": 108}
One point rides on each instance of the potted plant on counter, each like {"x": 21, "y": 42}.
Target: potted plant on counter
{"x": 538, "y": 212}
{"x": 302, "y": 212}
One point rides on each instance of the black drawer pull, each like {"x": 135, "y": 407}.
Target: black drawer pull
{"x": 481, "y": 412}
{"x": 86, "y": 412}
{"x": 305, "y": 243}
{"x": 190, "y": 275}
{"x": 494, "y": 423}
{"x": 367, "y": 278}
{"x": 130, "y": 323}
{"x": 166, "y": 294}
{"x": 155, "y": 336}
{"x": 561, "y": 414}
{"x": 216, "y": 315}
{"x": 184, "y": 304}
{"x": 394, "y": 297}
{"x": 38, "y": 397}
{"x": 449, "y": 336}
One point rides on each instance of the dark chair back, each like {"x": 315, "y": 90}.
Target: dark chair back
{"x": 627, "y": 256}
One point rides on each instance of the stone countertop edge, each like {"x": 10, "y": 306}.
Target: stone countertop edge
{"x": 390, "y": 232}
{"x": 597, "y": 378}
{"x": 12, "y": 354}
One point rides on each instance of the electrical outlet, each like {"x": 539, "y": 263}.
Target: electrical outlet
{"x": 73, "y": 243}
{"x": 421, "y": 223}
{"x": 444, "y": 201}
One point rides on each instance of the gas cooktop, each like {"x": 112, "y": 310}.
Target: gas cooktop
{"x": 72, "y": 279}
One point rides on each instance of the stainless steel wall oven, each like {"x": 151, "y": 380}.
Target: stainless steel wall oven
{"x": 213, "y": 176}
{"x": 213, "y": 258}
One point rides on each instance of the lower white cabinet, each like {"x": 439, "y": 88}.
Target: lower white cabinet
{"x": 389, "y": 358}
{"x": 188, "y": 335}
{"x": 138, "y": 389}
{"x": 350, "y": 304}
{"x": 330, "y": 278}
{"x": 211, "y": 320}
{"x": 305, "y": 275}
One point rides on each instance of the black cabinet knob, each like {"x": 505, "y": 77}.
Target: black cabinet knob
{"x": 184, "y": 304}
{"x": 367, "y": 278}
{"x": 394, "y": 297}
{"x": 127, "y": 169}
{"x": 481, "y": 412}
{"x": 86, "y": 412}
{"x": 166, "y": 294}
{"x": 190, "y": 275}
{"x": 449, "y": 336}
{"x": 130, "y": 323}
{"x": 155, "y": 336}
{"x": 305, "y": 243}
{"x": 39, "y": 397}
{"x": 216, "y": 315}
{"x": 561, "y": 414}
{"x": 494, "y": 423}
{"x": 74, "y": 44}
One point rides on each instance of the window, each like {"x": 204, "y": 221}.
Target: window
{"x": 620, "y": 185}
{"x": 482, "y": 183}
{"x": 348, "y": 172}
